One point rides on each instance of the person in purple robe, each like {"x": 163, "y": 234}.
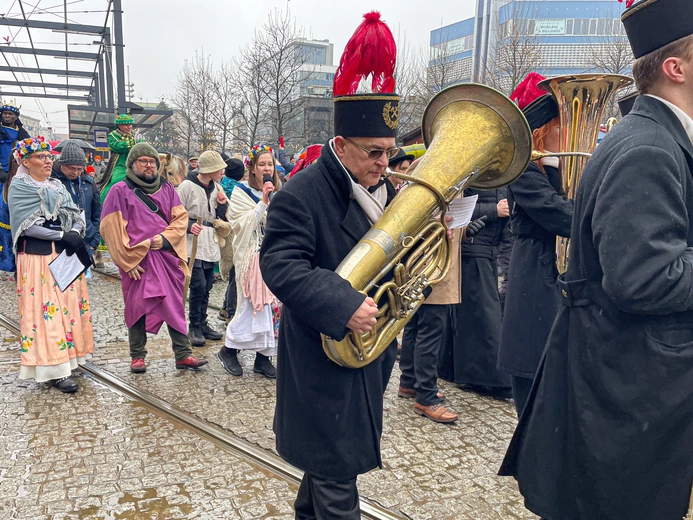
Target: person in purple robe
{"x": 144, "y": 226}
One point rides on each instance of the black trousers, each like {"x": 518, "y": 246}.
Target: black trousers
{"x": 137, "y": 335}
{"x": 201, "y": 280}
{"x": 320, "y": 499}
{"x": 418, "y": 361}
{"x": 521, "y": 388}
{"x": 231, "y": 293}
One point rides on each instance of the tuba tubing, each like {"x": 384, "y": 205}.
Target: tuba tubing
{"x": 475, "y": 137}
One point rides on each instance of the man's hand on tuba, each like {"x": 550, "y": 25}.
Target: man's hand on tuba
{"x": 363, "y": 319}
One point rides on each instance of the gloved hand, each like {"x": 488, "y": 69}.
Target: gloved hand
{"x": 72, "y": 241}
{"x": 475, "y": 226}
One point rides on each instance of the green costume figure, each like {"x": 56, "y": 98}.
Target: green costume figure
{"x": 120, "y": 141}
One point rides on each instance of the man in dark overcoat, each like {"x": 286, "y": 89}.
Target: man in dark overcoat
{"x": 608, "y": 430}
{"x": 328, "y": 418}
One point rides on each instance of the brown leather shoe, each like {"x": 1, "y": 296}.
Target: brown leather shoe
{"x": 411, "y": 393}
{"x": 436, "y": 412}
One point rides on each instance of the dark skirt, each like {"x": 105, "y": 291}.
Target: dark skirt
{"x": 470, "y": 354}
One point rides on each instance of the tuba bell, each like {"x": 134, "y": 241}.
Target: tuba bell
{"x": 582, "y": 100}
{"x": 475, "y": 137}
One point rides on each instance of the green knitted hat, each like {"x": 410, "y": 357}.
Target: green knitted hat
{"x": 124, "y": 119}
{"x": 142, "y": 150}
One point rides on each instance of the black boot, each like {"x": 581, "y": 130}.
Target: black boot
{"x": 264, "y": 366}
{"x": 66, "y": 385}
{"x": 209, "y": 333}
{"x": 229, "y": 360}
{"x": 195, "y": 336}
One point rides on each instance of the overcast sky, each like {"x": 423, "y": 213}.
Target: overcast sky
{"x": 161, "y": 34}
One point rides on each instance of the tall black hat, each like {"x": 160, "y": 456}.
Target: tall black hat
{"x": 371, "y": 51}
{"x": 652, "y": 24}
{"x": 625, "y": 104}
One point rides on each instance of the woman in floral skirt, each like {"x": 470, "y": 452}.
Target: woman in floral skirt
{"x": 56, "y": 329}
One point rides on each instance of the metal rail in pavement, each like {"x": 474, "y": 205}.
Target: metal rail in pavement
{"x": 219, "y": 437}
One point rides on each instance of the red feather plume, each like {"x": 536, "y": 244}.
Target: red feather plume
{"x": 371, "y": 50}
{"x": 528, "y": 91}
{"x": 629, "y": 3}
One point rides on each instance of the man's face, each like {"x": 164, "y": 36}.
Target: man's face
{"x": 125, "y": 129}
{"x": 193, "y": 164}
{"x": 145, "y": 168}
{"x": 72, "y": 171}
{"x": 9, "y": 118}
{"x": 97, "y": 160}
{"x": 402, "y": 166}
{"x": 367, "y": 171}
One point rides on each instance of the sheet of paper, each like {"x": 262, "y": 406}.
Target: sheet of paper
{"x": 65, "y": 269}
{"x": 461, "y": 211}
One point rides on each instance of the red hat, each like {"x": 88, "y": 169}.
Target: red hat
{"x": 528, "y": 91}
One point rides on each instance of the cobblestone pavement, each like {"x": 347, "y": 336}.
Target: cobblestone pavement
{"x": 98, "y": 455}
{"x": 431, "y": 471}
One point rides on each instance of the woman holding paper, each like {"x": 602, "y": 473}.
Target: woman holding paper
{"x": 540, "y": 212}
{"x": 56, "y": 329}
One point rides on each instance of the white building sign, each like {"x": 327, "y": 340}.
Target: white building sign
{"x": 549, "y": 27}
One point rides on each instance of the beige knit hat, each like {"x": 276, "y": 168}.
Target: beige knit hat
{"x": 210, "y": 162}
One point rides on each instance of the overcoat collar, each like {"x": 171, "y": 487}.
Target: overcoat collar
{"x": 332, "y": 171}
{"x": 657, "y": 111}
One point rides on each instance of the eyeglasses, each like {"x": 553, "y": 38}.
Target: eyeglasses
{"x": 42, "y": 156}
{"x": 376, "y": 154}
{"x": 146, "y": 162}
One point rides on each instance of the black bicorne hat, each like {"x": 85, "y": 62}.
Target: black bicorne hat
{"x": 652, "y": 24}
{"x": 625, "y": 104}
{"x": 400, "y": 157}
{"x": 371, "y": 51}
{"x": 541, "y": 111}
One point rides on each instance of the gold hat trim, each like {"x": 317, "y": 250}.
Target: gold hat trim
{"x": 367, "y": 97}
{"x": 636, "y": 8}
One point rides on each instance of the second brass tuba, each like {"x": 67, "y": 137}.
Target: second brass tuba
{"x": 582, "y": 100}
{"x": 475, "y": 137}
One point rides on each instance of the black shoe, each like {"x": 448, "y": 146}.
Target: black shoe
{"x": 229, "y": 360}
{"x": 209, "y": 333}
{"x": 497, "y": 392}
{"x": 196, "y": 337}
{"x": 66, "y": 385}
{"x": 264, "y": 366}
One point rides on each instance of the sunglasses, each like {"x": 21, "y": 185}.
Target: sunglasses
{"x": 376, "y": 154}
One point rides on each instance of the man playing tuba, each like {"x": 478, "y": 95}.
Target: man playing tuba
{"x": 328, "y": 418}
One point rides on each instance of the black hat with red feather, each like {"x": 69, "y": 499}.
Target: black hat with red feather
{"x": 371, "y": 51}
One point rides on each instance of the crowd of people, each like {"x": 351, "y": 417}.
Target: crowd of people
{"x": 597, "y": 360}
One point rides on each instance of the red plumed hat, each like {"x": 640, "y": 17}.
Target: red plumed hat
{"x": 527, "y": 91}
{"x": 371, "y": 51}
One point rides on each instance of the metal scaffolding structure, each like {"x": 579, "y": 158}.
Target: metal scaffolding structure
{"x": 67, "y": 32}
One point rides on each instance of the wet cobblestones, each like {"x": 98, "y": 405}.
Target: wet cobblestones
{"x": 431, "y": 471}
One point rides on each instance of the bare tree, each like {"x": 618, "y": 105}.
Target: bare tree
{"x": 286, "y": 69}
{"x": 183, "y": 119}
{"x": 410, "y": 74}
{"x": 611, "y": 55}
{"x": 225, "y": 106}
{"x": 516, "y": 54}
{"x": 252, "y": 107}
{"x": 444, "y": 70}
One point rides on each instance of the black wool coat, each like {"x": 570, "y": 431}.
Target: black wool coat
{"x": 608, "y": 429}
{"x": 539, "y": 214}
{"x": 328, "y": 419}
{"x": 485, "y": 243}
{"x": 86, "y": 195}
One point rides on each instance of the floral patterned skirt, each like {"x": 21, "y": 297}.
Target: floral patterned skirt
{"x": 56, "y": 330}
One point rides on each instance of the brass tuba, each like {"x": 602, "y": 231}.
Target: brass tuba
{"x": 475, "y": 136}
{"x": 582, "y": 100}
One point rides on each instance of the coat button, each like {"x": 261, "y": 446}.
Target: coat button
{"x": 564, "y": 293}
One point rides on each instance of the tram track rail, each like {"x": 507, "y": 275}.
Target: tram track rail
{"x": 224, "y": 440}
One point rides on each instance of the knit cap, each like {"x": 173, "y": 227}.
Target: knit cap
{"x": 142, "y": 150}
{"x": 72, "y": 155}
